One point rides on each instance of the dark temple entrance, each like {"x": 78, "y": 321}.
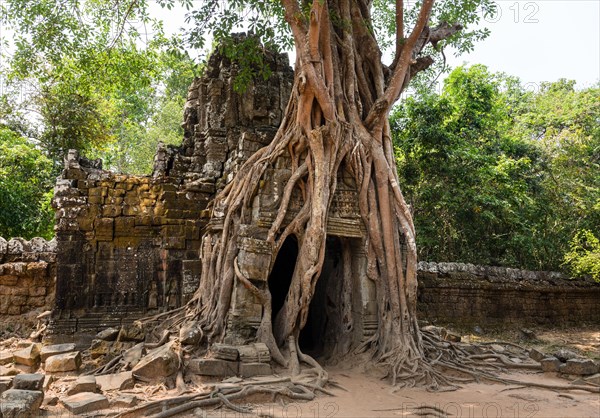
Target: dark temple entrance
{"x": 281, "y": 274}
{"x": 319, "y": 335}
{"x": 327, "y": 323}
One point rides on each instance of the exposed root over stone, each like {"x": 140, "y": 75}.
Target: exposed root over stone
{"x": 298, "y": 388}
{"x": 447, "y": 364}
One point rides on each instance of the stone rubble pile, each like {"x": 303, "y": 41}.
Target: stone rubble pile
{"x": 60, "y": 378}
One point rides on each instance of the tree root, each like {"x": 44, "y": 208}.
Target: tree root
{"x": 110, "y": 367}
{"x": 304, "y": 383}
{"x": 219, "y": 397}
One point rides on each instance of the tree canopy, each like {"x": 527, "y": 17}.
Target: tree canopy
{"x": 497, "y": 174}
{"x": 26, "y": 183}
{"x": 97, "y": 75}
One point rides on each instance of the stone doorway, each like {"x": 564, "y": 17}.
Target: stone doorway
{"x": 320, "y": 333}
{"x": 281, "y": 274}
{"x": 322, "y": 329}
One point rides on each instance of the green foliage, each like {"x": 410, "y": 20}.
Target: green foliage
{"x": 583, "y": 257}
{"x": 99, "y": 79}
{"x": 73, "y": 120}
{"x": 25, "y": 188}
{"x": 498, "y": 175}
{"x": 264, "y": 19}
{"x": 95, "y": 75}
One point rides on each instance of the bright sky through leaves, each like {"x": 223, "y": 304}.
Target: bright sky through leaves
{"x": 541, "y": 40}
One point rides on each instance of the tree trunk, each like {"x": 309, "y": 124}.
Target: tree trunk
{"x": 336, "y": 119}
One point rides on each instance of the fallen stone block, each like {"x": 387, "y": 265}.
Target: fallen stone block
{"x": 17, "y": 403}
{"x": 109, "y": 334}
{"x": 6, "y": 357}
{"x": 213, "y": 367}
{"x": 5, "y": 384}
{"x": 28, "y": 356}
{"x": 53, "y": 350}
{"x": 26, "y": 369}
{"x": 85, "y": 402}
{"x": 563, "y": 355}
{"x": 28, "y": 381}
{"x": 254, "y": 353}
{"x": 116, "y": 381}
{"x": 255, "y": 369}
{"x": 550, "y": 364}
{"x": 100, "y": 348}
{"x": 132, "y": 332}
{"x": 579, "y": 366}
{"x": 83, "y": 384}
{"x": 67, "y": 362}
{"x": 224, "y": 352}
{"x": 9, "y": 371}
{"x": 125, "y": 401}
{"x": 50, "y": 401}
{"x": 133, "y": 355}
{"x": 157, "y": 365}
{"x": 536, "y": 355}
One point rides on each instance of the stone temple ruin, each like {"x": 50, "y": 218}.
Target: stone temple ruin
{"x": 129, "y": 246}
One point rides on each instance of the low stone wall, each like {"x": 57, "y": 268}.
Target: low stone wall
{"x": 27, "y": 275}
{"x": 464, "y": 295}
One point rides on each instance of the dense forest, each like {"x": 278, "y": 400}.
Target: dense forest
{"x": 495, "y": 173}
{"x": 501, "y": 175}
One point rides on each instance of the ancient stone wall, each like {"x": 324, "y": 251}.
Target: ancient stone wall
{"x": 126, "y": 246}
{"x": 27, "y": 275}
{"x": 465, "y": 295}
{"x": 129, "y": 245}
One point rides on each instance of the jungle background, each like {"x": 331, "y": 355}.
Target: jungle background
{"x": 495, "y": 172}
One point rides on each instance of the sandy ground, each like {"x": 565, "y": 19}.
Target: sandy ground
{"x": 369, "y": 397}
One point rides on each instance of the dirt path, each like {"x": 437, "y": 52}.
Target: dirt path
{"x": 370, "y": 397}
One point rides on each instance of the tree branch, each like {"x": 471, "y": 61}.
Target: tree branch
{"x": 293, "y": 16}
{"x": 392, "y": 92}
{"x": 314, "y": 29}
{"x": 399, "y": 27}
{"x": 443, "y": 31}
{"x": 129, "y": 10}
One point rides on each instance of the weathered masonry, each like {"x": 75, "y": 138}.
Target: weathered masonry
{"x": 27, "y": 275}
{"x": 464, "y": 295}
{"x": 458, "y": 294}
{"x": 129, "y": 245}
